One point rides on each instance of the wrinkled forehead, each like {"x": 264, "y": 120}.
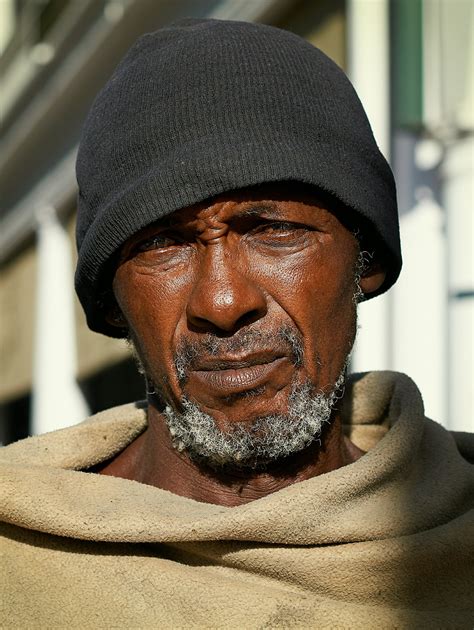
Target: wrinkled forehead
{"x": 268, "y": 194}
{"x": 287, "y": 201}
{"x": 277, "y": 200}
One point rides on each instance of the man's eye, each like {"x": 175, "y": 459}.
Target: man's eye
{"x": 160, "y": 241}
{"x": 280, "y": 232}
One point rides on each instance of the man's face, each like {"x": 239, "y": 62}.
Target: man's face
{"x": 235, "y": 302}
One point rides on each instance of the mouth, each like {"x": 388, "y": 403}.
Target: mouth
{"x": 216, "y": 364}
{"x": 226, "y": 376}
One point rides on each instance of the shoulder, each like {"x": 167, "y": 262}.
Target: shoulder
{"x": 83, "y": 445}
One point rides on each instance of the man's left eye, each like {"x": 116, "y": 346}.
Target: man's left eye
{"x": 280, "y": 232}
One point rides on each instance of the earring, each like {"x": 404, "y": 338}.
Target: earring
{"x": 150, "y": 390}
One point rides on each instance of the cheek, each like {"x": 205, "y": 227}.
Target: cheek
{"x": 318, "y": 298}
{"x": 153, "y": 309}
{"x": 309, "y": 286}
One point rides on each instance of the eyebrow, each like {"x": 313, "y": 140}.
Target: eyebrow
{"x": 259, "y": 208}
{"x": 166, "y": 221}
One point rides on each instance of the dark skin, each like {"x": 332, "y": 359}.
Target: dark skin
{"x": 258, "y": 259}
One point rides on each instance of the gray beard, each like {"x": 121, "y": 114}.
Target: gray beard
{"x": 256, "y": 444}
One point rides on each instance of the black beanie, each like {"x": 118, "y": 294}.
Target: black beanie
{"x": 206, "y": 106}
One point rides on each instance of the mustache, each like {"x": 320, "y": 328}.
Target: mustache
{"x": 285, "y": 340}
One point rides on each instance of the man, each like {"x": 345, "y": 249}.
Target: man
{"x": 233, "y": 209}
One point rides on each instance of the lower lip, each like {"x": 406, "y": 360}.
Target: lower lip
{"x": 227, "y": 382}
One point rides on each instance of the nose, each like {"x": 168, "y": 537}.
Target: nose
{"x": 223, "y": 298}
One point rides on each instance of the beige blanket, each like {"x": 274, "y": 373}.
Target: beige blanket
{"x": 386, "y": 542}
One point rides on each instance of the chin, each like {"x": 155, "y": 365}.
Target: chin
{"x": 260, "y": 438}
{"x": 246, "y": 407}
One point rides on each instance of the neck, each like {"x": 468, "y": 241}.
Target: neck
{"x": 152, "y": 459}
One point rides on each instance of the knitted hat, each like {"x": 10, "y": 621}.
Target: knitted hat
{"x": 205, "y": 106}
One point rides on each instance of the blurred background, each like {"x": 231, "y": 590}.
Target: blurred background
{"x": 412, "y": 63}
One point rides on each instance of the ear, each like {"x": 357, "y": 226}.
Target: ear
{"x": 372, "y": 278}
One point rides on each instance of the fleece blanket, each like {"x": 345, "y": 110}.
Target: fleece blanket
{"x": 385, "y": 542}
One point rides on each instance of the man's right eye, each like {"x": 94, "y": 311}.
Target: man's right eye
{"x": 159, "y": 241}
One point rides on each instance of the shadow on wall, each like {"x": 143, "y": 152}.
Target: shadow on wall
{"x": 115, "y": 385}
{"x": 14, "y": 419}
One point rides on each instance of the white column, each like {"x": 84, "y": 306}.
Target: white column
{"x": 57, "y": 400}
{"x": 458, "y": 194}
{"x": 7, "y": 22}
{"x": 419, "y": 304}
{"x": 368, "y": 56}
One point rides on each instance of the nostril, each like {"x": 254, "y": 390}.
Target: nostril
{"x": 248, "y": 318}
{"x": 201, "y": 324}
